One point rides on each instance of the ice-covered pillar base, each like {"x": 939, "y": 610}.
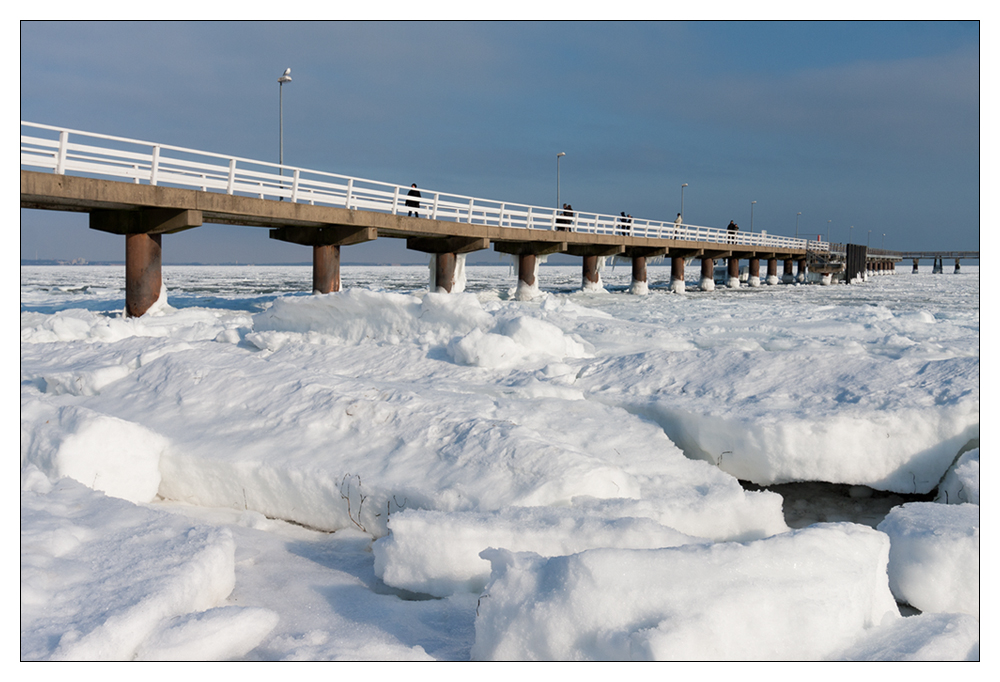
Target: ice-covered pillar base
{"x": 753, "y": 272}
{"x": 958, "y": 268}
{"x": 827, "y": 278}
{"x": 143, "y": 272}
{"x": 448, "y": 272}
{"x": 591, "y": 273}
{"x": 916, "y": 265}
{"x": 707, "y": 274}
{"x": 800, "y": 272}
{"x": 640, "y": 285}
{"x": 677, "y": 274}
{"x": 733, "y": 272}
{"x": 326, "y": 269}
{"x": 786, "y": 275}
{"x": 772, "y": 270}
{"x": 527, "y": 277}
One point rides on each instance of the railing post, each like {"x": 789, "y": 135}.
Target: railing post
{"x": 154, "y": 168}
{"x": 350, "y": 190}
{"x": 434, "y": 209}
{"x": 61, "y": 158}
{"x": 395, "y": 199}
{"x": 295, "y": 185}
{"x": 470, "y": 210}
{"x": 232, "y": 176}
{"x": 500, "y": 220}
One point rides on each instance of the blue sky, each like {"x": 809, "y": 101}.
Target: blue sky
{"x": 870, "y": 124}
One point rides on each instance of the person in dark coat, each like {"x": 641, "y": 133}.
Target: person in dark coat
{"x": 732, "y": 229}
{"x": 561, "y": 223}
{"x": 413, "y": 204}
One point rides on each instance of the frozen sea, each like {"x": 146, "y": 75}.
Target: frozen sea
{"x": 253, "y": 472}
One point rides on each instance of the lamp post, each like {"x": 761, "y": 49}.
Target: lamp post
{"x": 883, "y": 241}
{"x": 682, "y": 200}
{"x": 285, "y": 78}
{"x": 828, "y": 231}
{"x": 751, "y": 216}
{"x": 797, "y": 224}
{"x": 558, "y": 156}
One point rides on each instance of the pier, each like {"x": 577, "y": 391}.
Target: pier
{"x": 939, "y": 257}
{"x": 143, "y": 190}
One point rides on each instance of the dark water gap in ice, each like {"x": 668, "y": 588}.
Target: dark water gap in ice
{"x": 806, "y": 503}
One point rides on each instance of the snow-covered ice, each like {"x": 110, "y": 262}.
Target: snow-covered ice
{"x": 934, "y": 563}
{"x": 384, "y": 472}
{"x": 800, "y": 595}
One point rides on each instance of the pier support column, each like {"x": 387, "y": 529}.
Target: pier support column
{"x": 786, "y": 274}
{"x": 446, "y": 275}
{"x": 591, "y": 275}
{"x": 754, "y": 272}
{"x": 772, "y": 270}
{"x": 677, "y": 274}
{"x": 326, "y": 269}
{"x": 325, "y": 241}
{"x": 526, "y": 269}
{"x": 707, "y": 274}
{"x": 143, "y": 230}
{"x": 591, "y": 254}
{"x": 143, "y": 272}
{"x": 938, "y": 266}
{"x": 639, "y": 280}
{"x": 528, "y": 253}
{"x": 958, "y": 268}
{"x": 733, "y": 268}
{"x": 916, "y": 265}
{"x": 638, "y": 256}
{"x": 444, "y": 271}
{"x": 800, "y": 273}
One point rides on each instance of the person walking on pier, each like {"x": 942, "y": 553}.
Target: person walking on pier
{"x": 561, "y": 221}
{"x": 732, "y": 229}
{"x": 413, "y": 204}
{"x": 564, "y": 222}
{"x": 625, "y": 222}
{"x": 677, "y": 224}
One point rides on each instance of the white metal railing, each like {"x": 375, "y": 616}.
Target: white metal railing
{"x": 62, "y": 151}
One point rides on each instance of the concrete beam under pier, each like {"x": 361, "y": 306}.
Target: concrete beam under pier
{"x": 145, "y": 221}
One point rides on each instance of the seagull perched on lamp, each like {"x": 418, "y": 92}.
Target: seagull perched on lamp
{"x": 285, "y": 78}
